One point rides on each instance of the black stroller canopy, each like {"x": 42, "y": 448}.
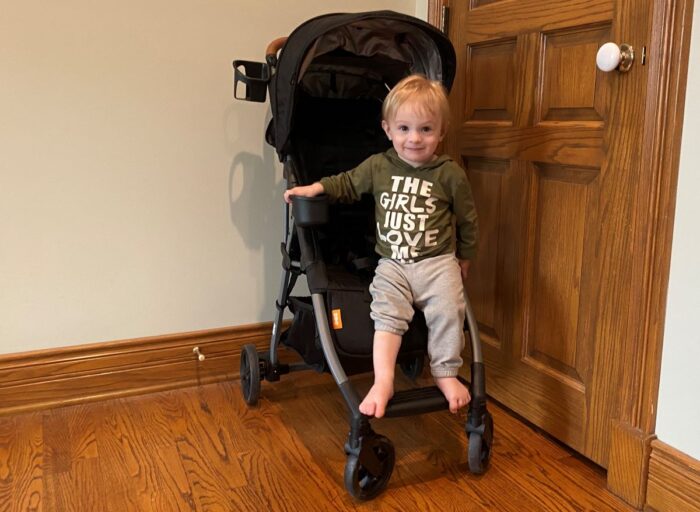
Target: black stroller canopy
{"x": 339, "y": 55}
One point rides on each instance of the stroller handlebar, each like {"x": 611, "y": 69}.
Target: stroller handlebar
{"x": 274, "y": 47}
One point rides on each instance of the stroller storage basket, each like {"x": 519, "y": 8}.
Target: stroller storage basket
{"x": 302, "y": 335}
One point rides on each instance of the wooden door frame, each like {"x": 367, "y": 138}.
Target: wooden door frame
{"x": 633, "y": 431}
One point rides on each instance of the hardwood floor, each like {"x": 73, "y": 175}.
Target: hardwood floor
{"x": 202, "y": 448}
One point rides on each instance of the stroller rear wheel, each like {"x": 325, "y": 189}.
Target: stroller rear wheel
{"x": 250, "y": 374}
{"x": 368, "y": 472}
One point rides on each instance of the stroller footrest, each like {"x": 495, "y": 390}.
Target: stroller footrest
{"x": 416, "y": 401}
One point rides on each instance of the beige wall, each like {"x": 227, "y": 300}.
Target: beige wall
{"x": 137, "y": 197}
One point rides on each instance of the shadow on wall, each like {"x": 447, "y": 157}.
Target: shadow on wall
{"x": 257, "y": 212}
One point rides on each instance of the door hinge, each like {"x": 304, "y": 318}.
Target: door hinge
{"x": 445, "y": 22}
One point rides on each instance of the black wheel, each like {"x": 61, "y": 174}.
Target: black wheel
{"x": 413, "y": 368}
{"x": 367, "y": 474}
{"x": 479, "y": 454}
{"x": 250, "y": 374}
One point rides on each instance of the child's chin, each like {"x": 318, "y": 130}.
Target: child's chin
{"x": 415, "y": 163}
{"x": 418, "y": 158}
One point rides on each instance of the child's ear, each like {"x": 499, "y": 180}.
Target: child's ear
{"x": 385, "y": 127}
{"x": 443, "y": 131}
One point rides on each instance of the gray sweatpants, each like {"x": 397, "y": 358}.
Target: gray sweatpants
{"x": 433, "y": 285}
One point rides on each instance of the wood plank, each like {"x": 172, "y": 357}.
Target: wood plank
{"x": 143, "y": 475}
{"x": 71, "y": 434}
{"x": 21, "y": 463}
{"x": 202, "y": 438}
{"x": 79, "y": 488}
{"x": 71, "y": 459}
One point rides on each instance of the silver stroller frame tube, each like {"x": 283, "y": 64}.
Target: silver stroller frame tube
{"x": 341, "y": 378}
{"x": 473, "y": 331}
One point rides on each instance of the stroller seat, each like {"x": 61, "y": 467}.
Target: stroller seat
{"x": 326, "y": 89}
{"x": 348, "y": 302}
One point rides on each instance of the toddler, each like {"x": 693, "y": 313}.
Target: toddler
{"x": 425, "y": 257}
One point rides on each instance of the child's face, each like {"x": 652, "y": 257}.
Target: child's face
{"x": 415, "y": 134}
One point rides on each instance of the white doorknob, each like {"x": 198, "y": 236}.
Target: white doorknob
{"x": 610, "y": 56}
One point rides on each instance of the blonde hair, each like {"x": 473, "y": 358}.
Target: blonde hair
{"x": 427, "y": 95}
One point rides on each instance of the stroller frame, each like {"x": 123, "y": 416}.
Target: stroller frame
{"x": 370, "y": 456}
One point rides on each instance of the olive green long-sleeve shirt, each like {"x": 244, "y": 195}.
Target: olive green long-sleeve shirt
{"x": 413, "y": 205}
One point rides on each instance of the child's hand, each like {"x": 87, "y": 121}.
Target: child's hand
{"x": 464, "y": 267}
{"x": 308, "y": 191}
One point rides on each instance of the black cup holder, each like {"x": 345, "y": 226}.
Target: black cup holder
{"x": 310, "y": 211}
{"x": 251, "y": 78}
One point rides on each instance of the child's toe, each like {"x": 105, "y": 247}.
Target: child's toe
{"x": 367, "y": 409}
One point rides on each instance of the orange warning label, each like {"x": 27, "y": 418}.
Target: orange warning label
{"x": 337, "y": 319}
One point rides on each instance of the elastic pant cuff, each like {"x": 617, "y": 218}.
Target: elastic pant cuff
{"x": 444, "y": 372}
{"x": 386, "y": 328}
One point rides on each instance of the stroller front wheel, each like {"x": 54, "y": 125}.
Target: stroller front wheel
{"x": 250, "y": 374}
{"x": 368, "y": 472}
{"x": 480, "y": 442}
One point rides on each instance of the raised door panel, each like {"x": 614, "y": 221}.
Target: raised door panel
{"x": 572, "y": 88}
{"x": 490, "y": 70}
{"x": 532, "y": 115}
{"x": 488, "y": 179}
{"x": 556, "y": 340}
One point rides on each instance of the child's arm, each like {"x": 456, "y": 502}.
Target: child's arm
{"x": 464, "y": 267}
{"x": 307, "y": 191}
{"x": 345, "y": 187}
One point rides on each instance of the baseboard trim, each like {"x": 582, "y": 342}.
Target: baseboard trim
{"x": 69, "y": 375}
{"x": 674, "y": 480}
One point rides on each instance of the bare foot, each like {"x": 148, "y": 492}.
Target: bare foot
{"x": 378, "y": 396}
{"x": 455, "y": 392}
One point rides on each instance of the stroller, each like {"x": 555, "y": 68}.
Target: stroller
{"x": 326, "y": 90}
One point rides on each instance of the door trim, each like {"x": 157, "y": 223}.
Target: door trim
{"x": 629, "y": 463}
{"x": 664, "y": 126}
{"x": 668, "y": 67}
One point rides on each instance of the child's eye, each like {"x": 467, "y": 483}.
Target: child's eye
{"x": 403, "y": 128}
{"x": 427, "y": 129}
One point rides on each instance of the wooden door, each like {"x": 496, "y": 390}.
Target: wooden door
{"x": 552, "y": 147}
